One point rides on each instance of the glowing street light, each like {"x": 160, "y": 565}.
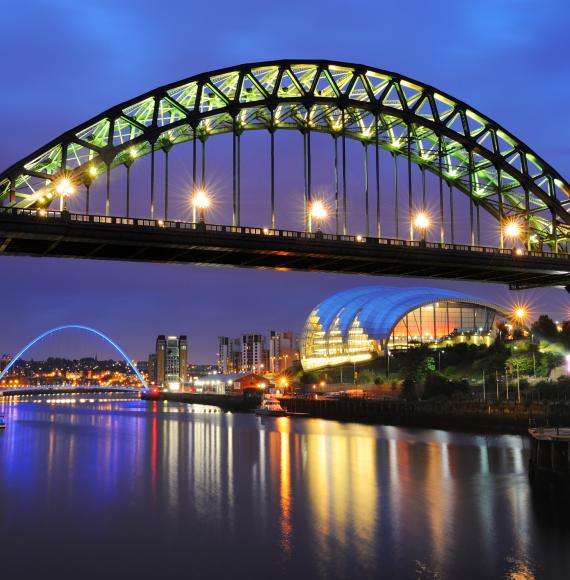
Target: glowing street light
{"x": 422, "y": 223}
{"x": 520, "y": 313}
{"x": 64, "y": 188}
{"x": 318, "y": 213}
{"x": 512, "y": 230}
{"x": 200, "y": 202}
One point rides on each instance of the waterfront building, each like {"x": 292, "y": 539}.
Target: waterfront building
{"x": 229, "y": 354}
{"x": 361, "y": 323}
{"x": 253, "y": 353}
{"x": 231, "y": 383}
{"x": 171, "y": 361}
{"x": 282, "y": 351}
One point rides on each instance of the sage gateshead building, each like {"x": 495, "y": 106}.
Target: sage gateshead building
{"x": 358, "y": 324}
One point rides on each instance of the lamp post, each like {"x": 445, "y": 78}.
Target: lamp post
{"x": 518, "y": 385}
{"x": 200, "y": 202}
{"x": 318, "y": 213}
{"x": 64, "y": 188}
{"x": 422, "y": 223}
{"x": 512, "y": 230}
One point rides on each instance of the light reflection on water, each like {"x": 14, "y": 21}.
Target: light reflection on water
{"x": 158, "y": 489}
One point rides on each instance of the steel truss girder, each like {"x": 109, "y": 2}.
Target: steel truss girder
{"x": 209, "y": 102}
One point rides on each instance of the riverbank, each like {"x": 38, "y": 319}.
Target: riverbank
{"x": 450, "y": 415}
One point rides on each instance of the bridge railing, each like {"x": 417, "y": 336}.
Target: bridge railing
{"x": 43, "y": 214}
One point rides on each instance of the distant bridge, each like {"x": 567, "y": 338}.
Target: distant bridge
{"x": 58, "y": 329}
{"x": 467, "y": 200}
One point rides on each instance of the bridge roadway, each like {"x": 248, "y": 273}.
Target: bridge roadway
{"x": 63, "y": 234}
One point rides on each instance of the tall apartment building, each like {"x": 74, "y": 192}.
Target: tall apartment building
{"x": 253, "y": 353}
{"x": 171, "y": 361}
{"x": 229, "y": 355}
{"x": 282, "y": 351}
{"x": 152, "y": 375}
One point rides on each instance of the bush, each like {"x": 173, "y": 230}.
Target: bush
{"x": 437, "y": 386}
{"x": 409, "y": 389}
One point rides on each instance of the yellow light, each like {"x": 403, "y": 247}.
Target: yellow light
{"x": 358, "y": 238}
{"x": 422, "y": 221}
{"x": 512, "y": 229}
{"x": 318, "y": 210}
{"x": 201, "y": 200}
{"x": 93, "y": 171}
{"x": 520, "y": 312}
{"x": 65, "y": 187}
{"x": 133, "y": 152}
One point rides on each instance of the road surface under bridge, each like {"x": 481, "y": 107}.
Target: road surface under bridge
{"x": 64, "y": 234}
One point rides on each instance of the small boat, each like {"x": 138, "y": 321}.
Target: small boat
{"x": 2, "y": 422}
{"x": 270, "y": 407}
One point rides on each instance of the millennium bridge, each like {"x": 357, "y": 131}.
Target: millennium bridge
{"x": 68, "y": 388}
{"x": 395, "y": 177}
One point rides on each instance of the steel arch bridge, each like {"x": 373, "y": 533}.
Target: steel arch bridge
{"x": 425, "y": 134}
{"x": 57, "y": 329}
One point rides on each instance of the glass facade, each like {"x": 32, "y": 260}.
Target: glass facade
{"x": 359, "y": 333}
{"x": 440, "y": 322}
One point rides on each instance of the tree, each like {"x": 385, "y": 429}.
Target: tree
{"x": 417, "y": 363}
{"x": 545, "y": 328}
{"x": 522, "y": 364}
{"x": 409, "y": 389}
{"x": 437, "y": 386}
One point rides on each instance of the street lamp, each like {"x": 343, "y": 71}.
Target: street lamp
{"x": 512, "y": 230}
{"x": 422, "y": 223}
{"x": 200, "y": 202}
{"x": 318, "y": 213}
{"x": 64, "y": 188}
{"x": 520, "y": 313}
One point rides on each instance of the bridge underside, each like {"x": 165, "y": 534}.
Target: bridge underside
{"x": 60, "y": 234}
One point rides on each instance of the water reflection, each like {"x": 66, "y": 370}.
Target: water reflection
{"x": 304, "y": 498}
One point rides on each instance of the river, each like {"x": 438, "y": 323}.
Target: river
{"x": 113, "y": 487}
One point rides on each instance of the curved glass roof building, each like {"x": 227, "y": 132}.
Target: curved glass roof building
{"x": 357, "y": 324}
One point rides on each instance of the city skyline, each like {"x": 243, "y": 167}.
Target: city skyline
{"x": 134, "y": 301}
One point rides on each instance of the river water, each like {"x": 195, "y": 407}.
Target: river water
{"x": 112, "y": 487}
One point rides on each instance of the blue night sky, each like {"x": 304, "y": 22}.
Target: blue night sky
{"x": 65, "y": 61}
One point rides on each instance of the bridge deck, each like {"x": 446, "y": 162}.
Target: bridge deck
{"x": 62, "y": 234}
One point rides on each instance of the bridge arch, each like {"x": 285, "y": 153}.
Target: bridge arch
{"x": 413, "y": 121}
{"x": 77, "y": 327}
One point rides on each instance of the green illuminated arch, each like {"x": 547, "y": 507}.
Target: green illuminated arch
{"x": 436, "y": 131}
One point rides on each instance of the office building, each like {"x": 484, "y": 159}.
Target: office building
{"x": 171, "y": 361}
{"x": 282, "y": 351}
{"x": 253, "y": 353}
{"x": 229, "y": 355}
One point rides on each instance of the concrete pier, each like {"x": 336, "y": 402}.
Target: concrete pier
{"x": 550, "y": 453}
